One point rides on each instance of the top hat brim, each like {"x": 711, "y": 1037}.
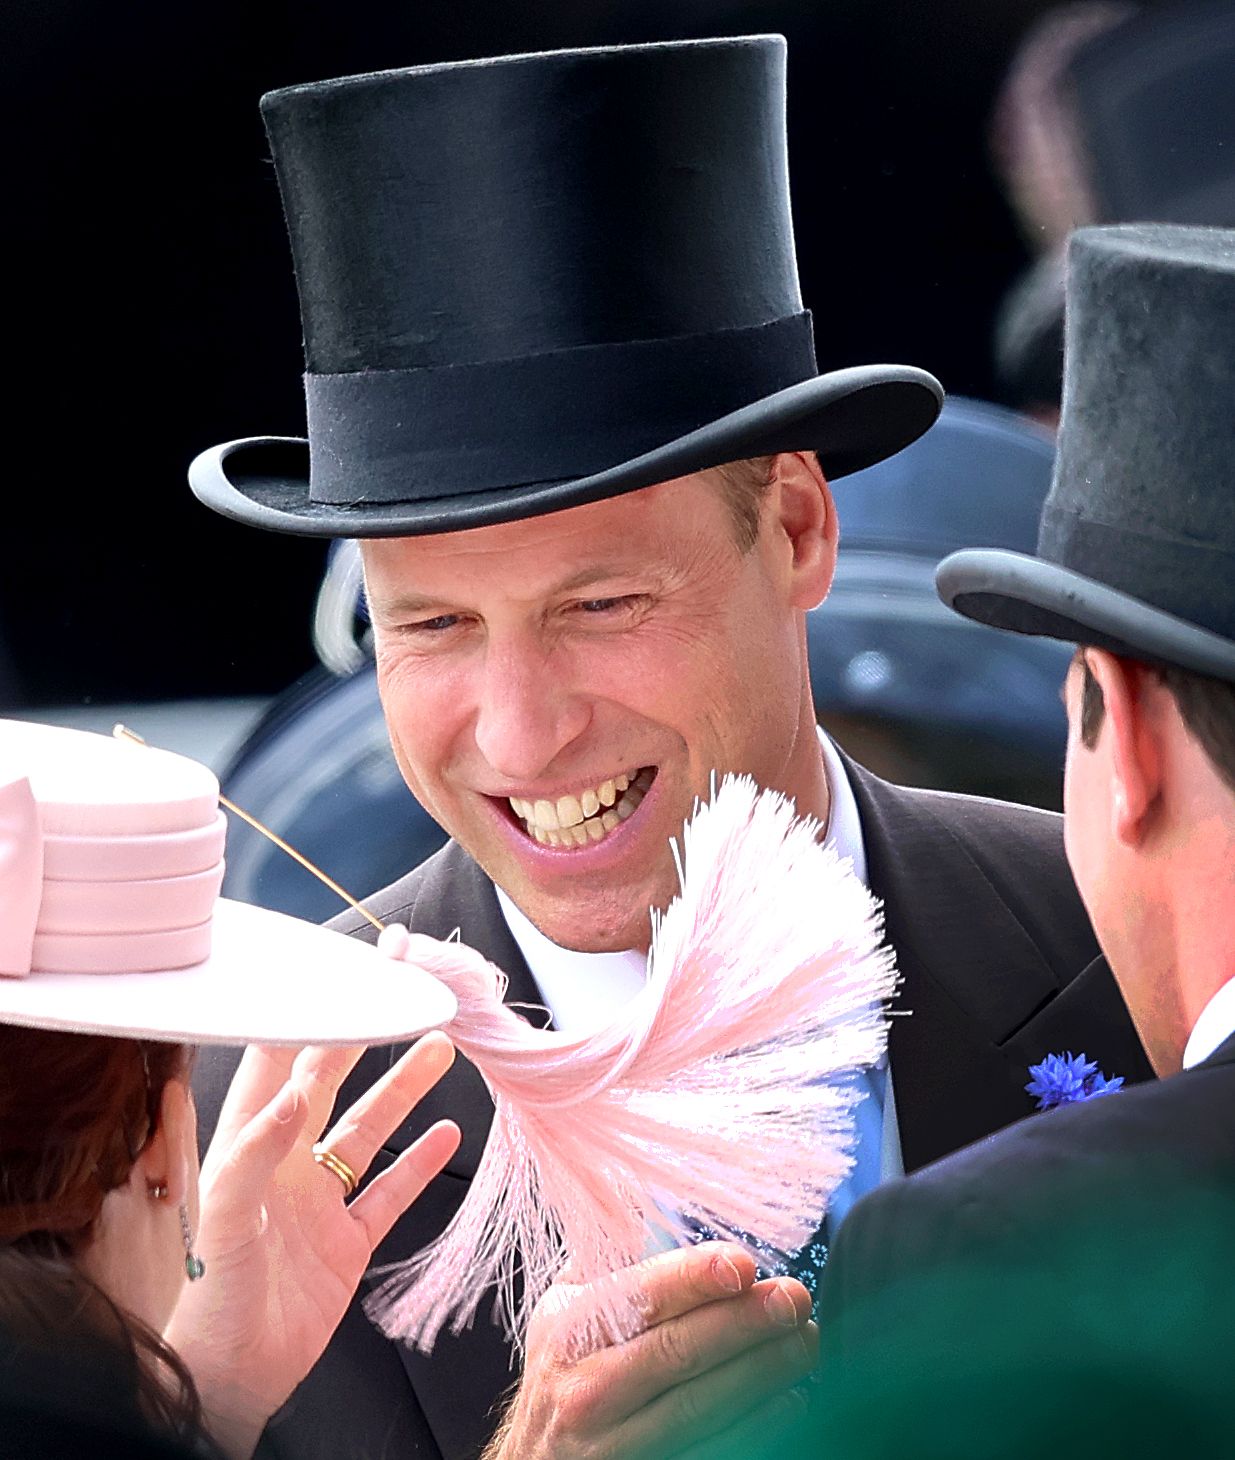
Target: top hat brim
{"x": 269, "y": 979}
{"x": 1028, "y": 595}
{"x": 852, "y": 418}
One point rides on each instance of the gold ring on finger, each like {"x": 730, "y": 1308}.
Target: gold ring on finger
{"x": 327, "y": 1158}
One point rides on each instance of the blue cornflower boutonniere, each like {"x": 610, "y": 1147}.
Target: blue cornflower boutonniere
{"x": 1063, "y": 1079}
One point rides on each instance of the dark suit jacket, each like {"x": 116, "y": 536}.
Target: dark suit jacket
{"x": 1067, "y": 1285}
{"x": 998, "y": 968}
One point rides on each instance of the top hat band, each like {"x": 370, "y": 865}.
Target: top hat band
{"x": 400, "y": 435}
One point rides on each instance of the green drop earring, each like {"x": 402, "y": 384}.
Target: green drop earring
{"x": 194, "y": 1267}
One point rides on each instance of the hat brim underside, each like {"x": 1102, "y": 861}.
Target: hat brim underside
{"x": 852, "y": 418}
{"x": 1027, "y": 595}
{"x": 270, "y": 979}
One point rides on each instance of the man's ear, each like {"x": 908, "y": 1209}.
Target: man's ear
{"x": 1133, "y": 755}
{"x": 169, "y": 1157}
{"x": 806, "y": 516}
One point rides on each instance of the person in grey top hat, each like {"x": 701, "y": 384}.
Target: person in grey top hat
{"x": 1072, "y": 1274}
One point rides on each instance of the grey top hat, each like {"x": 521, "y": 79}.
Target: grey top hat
{"x": 1136, "y": 548}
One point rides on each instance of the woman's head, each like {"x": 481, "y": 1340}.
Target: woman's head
{"x": 97, "y": 1157}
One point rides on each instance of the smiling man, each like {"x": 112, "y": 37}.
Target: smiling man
{"x": 562, "y": 386}
{"x": 559, "y": 690}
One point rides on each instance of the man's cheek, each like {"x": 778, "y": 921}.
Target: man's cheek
{"x": 413, "y": 756}
{"x": 405, "y": 769}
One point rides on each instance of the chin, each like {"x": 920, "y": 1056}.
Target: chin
{"x": 584, "y": 934}
{"x": 616, "y": 943}
{"x": 596, "y": 924}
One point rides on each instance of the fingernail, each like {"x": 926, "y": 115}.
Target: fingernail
{"x": 285, "y": 1106}
{"x": 438, "y": 1049}
{"x": 727, "y": 1275}
{"x": 780, "y": 1308}
{"x": 393, "y": 941}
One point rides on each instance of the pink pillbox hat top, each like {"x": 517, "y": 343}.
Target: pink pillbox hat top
{"x": 111, "y": 861}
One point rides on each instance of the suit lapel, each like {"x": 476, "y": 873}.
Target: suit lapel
{"x": 455, "y": 895}
{"x": 458, "y": 1385}
{"x": 978, "y": 999}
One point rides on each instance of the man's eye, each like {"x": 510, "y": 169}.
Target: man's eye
{"x": 607, "y": 605}
{"x": 437, "y": 625}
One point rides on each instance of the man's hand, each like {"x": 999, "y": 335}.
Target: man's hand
{"x": 718, "y": 1354}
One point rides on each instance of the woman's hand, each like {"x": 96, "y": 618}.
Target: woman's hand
{"x": 284, "y": 1252}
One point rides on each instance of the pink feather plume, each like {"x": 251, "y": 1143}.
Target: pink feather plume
{"x": 718, "y": 1096}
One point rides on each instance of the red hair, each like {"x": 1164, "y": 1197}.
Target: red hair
{"x": 76, "y": 1111}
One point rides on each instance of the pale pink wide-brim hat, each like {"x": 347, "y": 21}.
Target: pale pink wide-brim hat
{"x": 111, "y": 860}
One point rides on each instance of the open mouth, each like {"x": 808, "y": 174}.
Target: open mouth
{"x": 589, "y": 815}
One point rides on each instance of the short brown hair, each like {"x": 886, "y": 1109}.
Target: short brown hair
{"x": 744, "y": 485}
{"x": 1206, "y": 706}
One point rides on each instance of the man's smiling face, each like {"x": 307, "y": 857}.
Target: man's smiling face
{"x": 559, "y": 690}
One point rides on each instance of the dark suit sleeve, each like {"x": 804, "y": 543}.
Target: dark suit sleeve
{"x": 1062, "y": 1285}
{"x": 935, "y": 1316}
{"x": 891, "y": 1239}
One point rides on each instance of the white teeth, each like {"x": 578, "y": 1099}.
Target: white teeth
{"x": 569, "y": 812}
{"x": 576, "y": 821}
{"x": 544, "y": 813}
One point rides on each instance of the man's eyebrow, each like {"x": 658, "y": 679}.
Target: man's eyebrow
{"x": 411, "y": 604}
{"x": 597, "y": 573}
{"x": 402, "y": 607}
{"x": 403, "y": 603}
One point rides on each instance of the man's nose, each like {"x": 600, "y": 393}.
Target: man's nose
{"x": 526, "y": 714}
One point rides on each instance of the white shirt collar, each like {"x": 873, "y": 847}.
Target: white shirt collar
{"x": 583, "y": 991}
{"x": 844, "y": 822}
{"x": 1213, "y": 1028}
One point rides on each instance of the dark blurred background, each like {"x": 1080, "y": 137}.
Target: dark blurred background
{"x": 149, "y": 309}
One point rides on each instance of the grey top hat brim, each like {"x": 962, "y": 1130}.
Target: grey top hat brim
{"x": 852, "y": 418}
{"x": 1028, "y": 595}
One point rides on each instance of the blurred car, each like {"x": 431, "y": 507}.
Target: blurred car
{"x": 909, "y": 688}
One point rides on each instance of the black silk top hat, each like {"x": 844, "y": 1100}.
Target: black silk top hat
{"x": 1136, "y": 546}
{"x": 538, "y": 281}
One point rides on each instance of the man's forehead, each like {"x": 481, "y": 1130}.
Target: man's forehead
{"x": 561, "y": 551}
